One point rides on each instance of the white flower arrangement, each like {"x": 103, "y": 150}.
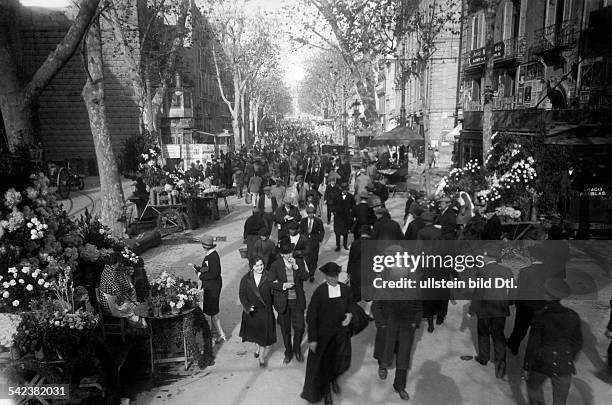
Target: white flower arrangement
{"x": 37, "y": 228}
{"x": 11, "y": 198}
{"x": 508, "y": 212}
{"x": 129, "y": 255}
{"x": 10, "y": 323}
{"x": 168, "y": 188}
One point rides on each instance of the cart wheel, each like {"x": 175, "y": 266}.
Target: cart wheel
{"x": 31, "y": 372}
{"x": 170, "y": 221}
{"x": 63, "y": 183}
{"x": 80, "y": 183}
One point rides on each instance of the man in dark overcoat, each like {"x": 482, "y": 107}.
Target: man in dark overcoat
{"x": 363, "y": 213}
{"x": 332, "y": 192}
{"x": 385, "y": 228}
{"x": 491, "y": 307}
{"x": 412, "y": 232}
{"x": 251, "y": 229}
{"x": 284, "y": 215}
{"x": 554, "y": 342}
{"x": 343, "y": 216}
{"x": 447, "y": 221}
{"x": 264, "y": 248}
{"x": 288, "y": 276}
{"x": 398, "y": 321}
{"x": 312, "y": 228}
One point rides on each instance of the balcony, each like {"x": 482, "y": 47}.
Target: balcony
{"x": 499, "y": 103}
{"x": 555, "y": 38}
{"x": 508, "y": 51}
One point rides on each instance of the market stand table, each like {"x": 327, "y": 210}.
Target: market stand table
{"x": 177, "y": 334}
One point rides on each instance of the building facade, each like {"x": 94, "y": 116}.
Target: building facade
{"x": 548, "y": 55}
{"x": 440, "y": 85}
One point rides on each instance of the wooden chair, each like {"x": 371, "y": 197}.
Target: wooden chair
{"x": 111, "y": 325}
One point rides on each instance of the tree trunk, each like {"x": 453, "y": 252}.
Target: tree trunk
{"x": 243, "y": 120}
{"x": 365, "y": 84}
{"x": 425, "y": 124}
{"x": 16, "y": 98}
{"x": 93, "y": 95}
{"x": 235, "y": 111}
{"x": 487, "y": 102}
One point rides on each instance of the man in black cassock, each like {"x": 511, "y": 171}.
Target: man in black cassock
{"x": 329, "y": 340}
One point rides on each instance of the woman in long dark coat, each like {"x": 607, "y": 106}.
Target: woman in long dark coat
{"x": 328, "y": 318}
{"x": 258, "y": 325}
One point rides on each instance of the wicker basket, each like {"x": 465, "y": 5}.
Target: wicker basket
{"x": 243, "y": 252}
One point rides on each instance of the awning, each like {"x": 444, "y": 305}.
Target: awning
{"x": 223, "y": 135}
{"x": 579, "y": 135}
{"x": 399, "y": 136}
{"x": 202, "y": 132}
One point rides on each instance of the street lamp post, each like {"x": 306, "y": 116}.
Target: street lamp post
{"x": 403, "y": 80}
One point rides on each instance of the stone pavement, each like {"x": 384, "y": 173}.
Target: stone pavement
{"x": 438, "y": 376}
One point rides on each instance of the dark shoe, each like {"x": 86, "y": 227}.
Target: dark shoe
{"x": 382, "y": 373}
{"x": 299, "y": 357}
{"x": 256, "y": 355}
{"x": 439, "y": 320}
{"x": 500, "y": 369}
{"x": 403, "y": 394}
{"x": 263, "y": 364}
{"x": 346, "y": 247}
{"x": 287, "y": 359}
{"x": 481, "y": 361}
{"x": 337, "y": 249}
{"x": 430, "y": 325}
{"x": 311, "y": 279}
{"x": 328, "y": 399}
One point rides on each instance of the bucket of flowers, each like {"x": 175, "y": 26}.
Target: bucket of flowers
{"x": 10, "y": 323}
{"x": 173, "y": 294}
{"x": 508, "y": 213}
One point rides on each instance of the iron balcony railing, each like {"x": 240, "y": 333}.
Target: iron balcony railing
{"x": 561, "y": 35}
{"x": 509, "y": 48}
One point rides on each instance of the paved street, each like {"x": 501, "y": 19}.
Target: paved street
{"x": 437, "y": 376}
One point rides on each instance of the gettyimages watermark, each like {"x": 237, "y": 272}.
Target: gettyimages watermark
{"x": 514, "y": 270}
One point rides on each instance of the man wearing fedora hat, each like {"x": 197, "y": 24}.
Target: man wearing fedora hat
{"x": 288, "y": 276}
{"x": 491, "y": 307}
{"x": 363, "y": 214}
{"x": 385, "y": 228}
{"x": 447, "y": 221}
{"x": 554, "y": 342}
{"x": 332, "y": 191}
{"x": 278, "y": 193}
{"x": 284, "y": 215}
{"x": 312, "y": 228}
{"x": 343, "y": 216}
{"x": 301, "y": 190}
{"x": 209, "y": 274}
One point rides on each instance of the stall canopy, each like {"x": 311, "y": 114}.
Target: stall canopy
{"x": 400, "y": 136}
{"x": 579, "y": 135}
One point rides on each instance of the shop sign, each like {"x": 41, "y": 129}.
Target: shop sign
{"x": 499, "y": 50}
{"x": 594, "y": 191}
{"x": 477, "y": 56}
{"x": 172, "y": 151}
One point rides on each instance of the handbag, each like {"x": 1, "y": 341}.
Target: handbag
{"x": 359, "y": 321}
{"x": 248, "y": 198}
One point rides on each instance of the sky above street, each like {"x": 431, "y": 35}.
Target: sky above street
{"x": 291, "y": 62}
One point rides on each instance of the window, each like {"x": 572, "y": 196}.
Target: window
{"x": 508, "y": 28}
{"x": 176, "y": 101}
{"x": 187, "y": 98}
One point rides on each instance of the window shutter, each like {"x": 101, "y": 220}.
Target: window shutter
{"x": 508, "y": 23}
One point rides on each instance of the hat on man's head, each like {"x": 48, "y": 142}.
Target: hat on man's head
{"x": 311, "y": 209}
{"x": 263, "y": 231}
{"x": 299, "y": 177}
{"x": 557, "y": 288}
{"x": 445, "y": 199}
{"x": 288, "y": 200}
{"x": 267, "y": 188}
{"x": 330, "y": 269}
{"x": 285, "y": 248}
{"x": 344, "y": 187}
{"x": 293, "y": 225}
{"x": 428, "y": 216}
{"x": 364, "y": 195}
{"x": 207, "y": 242}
